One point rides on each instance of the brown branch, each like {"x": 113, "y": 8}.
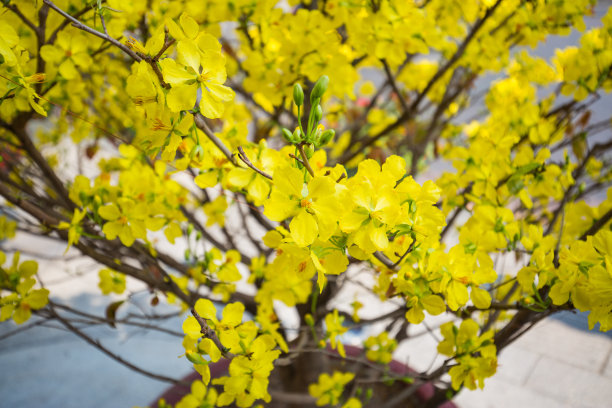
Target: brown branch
{"x": 401, "y": 258}
{"x": 104, "y": 320}
{"x": 22, "y": 17}
{"x": 99, "y": 346}
{"x": 167, "y": 44}
{"x": 201, "y": 124}
{"x": 211, "y": 334}
{"x": 66, "y": 23}
{"x": 391, "y": 80}
{"x": 76, "y": 23}
{"x": 54, "y": 182}
{"x": 247, "y": 230}
{"x": 437, "y": 76}
{"x": 242, "y": 155}
{"x": 198, "y": 226}
{"x": 597, "y": 225}
{"x": 305, "y": 159}
{"x": 384, "y": 260}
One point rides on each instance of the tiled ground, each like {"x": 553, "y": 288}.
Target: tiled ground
{"x": 554, "y": 365}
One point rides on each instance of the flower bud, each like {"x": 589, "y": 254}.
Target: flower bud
{"x": 298, "y": 95}
{"x": 297, "y": 135}
{"x": 319, "y": 88}
{"x": 326, "y": 137}
{"x": 287, "y": 135}
{"x": 318, "y": 113}
{"x": 195, "y": 358}
{"x": 309, "y": 150}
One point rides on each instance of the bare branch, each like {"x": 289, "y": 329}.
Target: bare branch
{"x": 211, "y": 334}
{"x": 90, "y": 30}
{"x": 242, "y": 155}
{"x": 201, "y": 124}
{"x": 99, "y": 346}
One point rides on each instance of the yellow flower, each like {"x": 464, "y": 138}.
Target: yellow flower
{"x": 74, "y": 228}
{"x": 215, "y": 211}
{"x": 69, "y": 51}
{"x": 333, "y": 329}
{"x": 111, "y": 281}
{"x": 329, "y": 389}
{"x": 123, "y": 221}
{"x": 314, "y": 206}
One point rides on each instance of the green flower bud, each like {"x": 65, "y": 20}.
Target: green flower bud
{"x": 318, "y": 113}
{"x": 309, "y": 319}
{"x": 326, "y": 137}
{"x": 297, "y": 135}
{"x": 287, "y": 135}
{"x": 319, "y": 88}
{"x": 298, "y": 95}
{"x": 195, "y": 358}
{"x": 309, "y": 150}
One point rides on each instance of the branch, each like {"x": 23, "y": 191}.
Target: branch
{"x": 54, "y": 182}
{"x": 305, "y": 159}
{"x": 201, "y": 124}
{"x": 211, "y": 334}
{"x": 65, "y": 24}
{"x": 384, "y": 260}
{"x": 99, "y": 346}
{"x": 597, "y": 225}
{"x": 247, "y": 230}
{"x": 15, "y": 9}
{"x": 242, "y": 155}
{"x": 101, "y": 319}
{"x": 76, "y": 23}
{"x": 391, "y": 80}
{"x": 401, "y": 258}
{"x": 192, "y": 219}
{"x": 439, "y": 74}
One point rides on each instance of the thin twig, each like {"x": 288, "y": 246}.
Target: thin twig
{"x": 90, "y": 30}
{"x": 242, "y": 155}
{"x": 401, "y": 258}
{"x": 211, "y": 334}
{"x": 305, "y": 159}
{"x": 15, "y": 9}
{"x": 597, "y": 225}
{"x": 391, "y": 80}
{"x": 99, "y": 346}
{"x": 201, "y": 124}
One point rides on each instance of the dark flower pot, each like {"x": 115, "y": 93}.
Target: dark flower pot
{"x": 174, "y": 394}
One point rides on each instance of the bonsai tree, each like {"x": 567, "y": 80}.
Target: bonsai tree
{"x": 242, "y": 157}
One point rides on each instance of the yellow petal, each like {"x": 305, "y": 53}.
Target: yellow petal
{"x": 210, "y": 106}
{"x": 189, "y": 25}
{"x": 192, "y": 328}
{"x": 379, "y": 237}
{"x": 221, "y": 92}
{"x": 68, "y": 70}
{"x": 109, "y": 212}
{"x": 208, "y": 179}
{"x": 182, "y": 97}
{"x": 433, "y": 304}
{"x": 481, "y": 298}
{"x": 232, "y": 314}
{"x": 206, "y": 309}
{"x": 188, "y": 54}
{"x": 304, "y": 229}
